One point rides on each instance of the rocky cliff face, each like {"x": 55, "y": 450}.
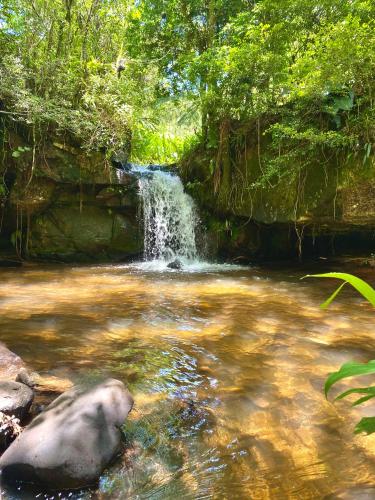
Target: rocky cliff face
{"x": 327, "y": 208}
{"x": 63, "y": 204}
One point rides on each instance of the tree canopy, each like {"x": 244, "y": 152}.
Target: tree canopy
{"x": 301, "y": 71}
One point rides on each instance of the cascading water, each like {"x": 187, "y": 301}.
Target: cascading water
{"x": 169, "y": 216}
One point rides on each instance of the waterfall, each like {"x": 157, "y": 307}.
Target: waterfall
{"x": 169, "y": 216}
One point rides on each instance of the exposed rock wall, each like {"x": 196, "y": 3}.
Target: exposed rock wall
{"x": 64, "y": 204}
{"x": 326, "y": 208}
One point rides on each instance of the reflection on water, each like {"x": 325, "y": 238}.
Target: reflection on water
{"x": 226, "y": 367}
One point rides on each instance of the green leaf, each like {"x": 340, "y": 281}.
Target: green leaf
{"x": 333, "y": 296}
{"x": 344, "y": 103}
{"x": 351, "y": 369}
{"x": 367, "y": 153}
{"x": 370, "y": 391}
{"x": 363, "y": 400}
{"x": 361, "y": 286}
{"x": 366, "y": 424}
{"x": 16, "y": 154}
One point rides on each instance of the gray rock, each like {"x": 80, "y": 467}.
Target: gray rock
{"x": 176, "y": 264}
{"x": 26, "y": 377}
{"x": 10, "y": 363}
{"x": 15, "y": 398}
{"x": 73, "y": 440}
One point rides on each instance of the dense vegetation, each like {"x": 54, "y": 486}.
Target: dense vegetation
{"x": 298, "y": 71}
{"x": 287, "y": 84}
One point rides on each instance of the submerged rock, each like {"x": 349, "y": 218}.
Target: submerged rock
{"x": 15, "y": 399}
{"x": 26, "y": 377}
{"x": 50, "y": 383}
{"x": 44, "y": 383}
{"x": 73, "y": 440}
{"x": 175, "y": 264}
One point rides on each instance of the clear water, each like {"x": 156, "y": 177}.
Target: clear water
{"x": 226, "y": 366}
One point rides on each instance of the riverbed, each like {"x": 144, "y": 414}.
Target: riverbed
{"x": 226, "y": 365}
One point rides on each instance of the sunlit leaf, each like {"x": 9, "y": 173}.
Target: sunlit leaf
{"x": 333, "y": 296}
{"x": 351, "y": 369}
{"x": 366, "y": 424}
{"x": 370, "y": 391}
{"x": 361, "y": 286}
{"x": 363, "y": 400}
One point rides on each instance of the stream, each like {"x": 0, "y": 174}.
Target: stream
{"x": 226, "y": 365}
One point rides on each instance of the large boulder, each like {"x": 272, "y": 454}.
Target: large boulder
{"x": 93, "y": 233}
{"x": 10, "y": 363}
{"x": 73, "y": 440}
{"x": 15, "y": 399}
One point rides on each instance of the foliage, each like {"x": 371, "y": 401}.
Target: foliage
{"x": 293, "y": 75}
{"x": 353, "y": 369}
{"x": 361, "y": 286}
{"x": 165, "y": 130}
{"x": 58, "y": 70}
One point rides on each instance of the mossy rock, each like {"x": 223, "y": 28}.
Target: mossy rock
{"x": 37, "y": 196}
{"x": 93, "y": 233}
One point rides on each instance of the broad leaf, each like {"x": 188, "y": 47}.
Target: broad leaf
{"x": 366, "y": 424}
{"x": 361, "y": 286}
{"x": 351, "y": 369}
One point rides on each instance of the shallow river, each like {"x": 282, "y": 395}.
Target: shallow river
{"x": 226, "y": 366}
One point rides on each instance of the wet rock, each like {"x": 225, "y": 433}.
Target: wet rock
{"x": 175, "y": 264}
{"x": 10, "y": 363}
{"x": 71, "y": 233}
{"x": 15, "y": 398}
{"x": 43, "y": 383}
{"x": 26, "y": 377}
{"x": 46, "y": 388}
{"x": 50, "y": 383}
{"x": 73, "y": 440}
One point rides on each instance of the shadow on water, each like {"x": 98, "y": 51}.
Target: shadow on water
{"x": 226, "y": 368}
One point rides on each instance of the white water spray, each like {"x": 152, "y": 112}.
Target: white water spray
{"x": 171, "y": 223}
{"x": 169, "y": 216}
